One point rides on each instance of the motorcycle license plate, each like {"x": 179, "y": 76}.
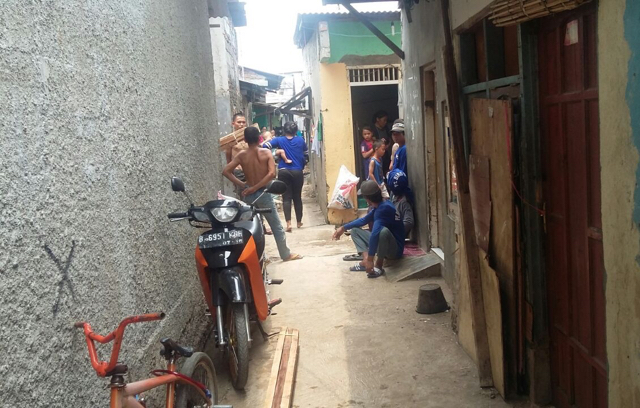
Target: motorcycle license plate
{"x": 220, "y": 239}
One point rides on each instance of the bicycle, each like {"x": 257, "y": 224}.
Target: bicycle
{"x": 190, "y": 393}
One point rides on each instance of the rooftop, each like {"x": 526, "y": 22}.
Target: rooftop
{"x": 307, "y": 22}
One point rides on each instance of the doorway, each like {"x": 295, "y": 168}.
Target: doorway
{"x": 366, "y": 100}
{"x": 569, "y": 111}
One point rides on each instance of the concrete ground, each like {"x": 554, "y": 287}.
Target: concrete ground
{"x": 361, "y": 342}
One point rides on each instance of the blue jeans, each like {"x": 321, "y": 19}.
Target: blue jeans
{"x": 266, "y": 201}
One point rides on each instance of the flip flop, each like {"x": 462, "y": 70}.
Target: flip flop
{"x": 358, "y": 268}
{"x": 376, "y": 273}
{"x": 294, "y": 257}
{"x": 352, "y": 257}
{"x": 288, "y": 230}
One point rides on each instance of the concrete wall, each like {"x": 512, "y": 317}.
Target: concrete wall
{"x": 102, "y": 103}
{"x": 422, "y": 42}
{"x": 463, "y": 12}
{"x": 619, "y": 68}
{"x": 310, "y": 54}
{"x": 224, "y": 50}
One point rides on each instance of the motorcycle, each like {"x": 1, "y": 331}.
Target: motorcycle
{"x": 231, "y": 266}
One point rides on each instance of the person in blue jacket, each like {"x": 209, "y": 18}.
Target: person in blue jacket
{"x": 290, "y": 171}
{"x": 386, "y": 239}
{"x": 400, "y": 155}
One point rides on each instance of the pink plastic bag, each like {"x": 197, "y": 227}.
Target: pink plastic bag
{"x": 343, "y": 191}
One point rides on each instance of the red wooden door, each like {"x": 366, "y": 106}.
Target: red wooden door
{"x": 571, "y": 171}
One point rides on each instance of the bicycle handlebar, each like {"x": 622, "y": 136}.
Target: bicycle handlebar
{"x": 102, "y": 367}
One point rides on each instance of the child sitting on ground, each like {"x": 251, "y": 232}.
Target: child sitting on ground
{"x": 375, "y": 167}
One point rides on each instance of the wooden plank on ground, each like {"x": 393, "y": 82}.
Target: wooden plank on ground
{"x": 289, "y": 381}
{"x": 275, "y": 368}
{"x": 283, "y": 370}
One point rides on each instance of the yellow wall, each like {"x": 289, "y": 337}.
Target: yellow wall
{"x": 619, "y": 163}
{"x": 338, "y": 130}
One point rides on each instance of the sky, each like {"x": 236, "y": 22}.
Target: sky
{"x": 266, "y": 43}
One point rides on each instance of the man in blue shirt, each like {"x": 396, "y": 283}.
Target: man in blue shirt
{"x": 386, "y": 239}
{"x": 400, "y": 156}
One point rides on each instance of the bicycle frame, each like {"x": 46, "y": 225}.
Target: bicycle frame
{"x": 124, "y": 397}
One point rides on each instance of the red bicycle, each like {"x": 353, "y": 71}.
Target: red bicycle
{"x": 197, "y": 388}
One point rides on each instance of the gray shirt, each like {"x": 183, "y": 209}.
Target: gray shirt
{"x": 404, "y": 213}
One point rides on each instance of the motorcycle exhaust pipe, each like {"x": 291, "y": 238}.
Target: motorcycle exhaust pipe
{"x": 246, "y": 320}
{"x": 221, "y": 341}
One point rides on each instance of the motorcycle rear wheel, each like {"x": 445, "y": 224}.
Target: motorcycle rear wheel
{"x": 238, "y": 345}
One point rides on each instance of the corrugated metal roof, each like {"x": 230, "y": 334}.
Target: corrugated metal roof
{"x": 344, "y": 12}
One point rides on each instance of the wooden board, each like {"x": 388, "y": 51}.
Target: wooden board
{"x": 283, "y": 370}
{"x": 480, "y": 190}
{"x": 493, "y": 313}
{"x": 490, "y": 137}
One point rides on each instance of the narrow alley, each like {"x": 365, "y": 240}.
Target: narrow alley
{"x": 156, "y": 157}
{"x": 361, "y": 342}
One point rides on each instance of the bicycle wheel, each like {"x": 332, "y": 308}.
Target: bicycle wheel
{"x": 238, "y": 345}
{"x": 200, "y": 368}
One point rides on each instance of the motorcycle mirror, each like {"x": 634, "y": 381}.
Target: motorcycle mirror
{"x": 177, "y": 185}
{"x": 276, "y": 187}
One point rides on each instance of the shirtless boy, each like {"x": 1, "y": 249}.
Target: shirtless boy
{"x": 259, "y": 169}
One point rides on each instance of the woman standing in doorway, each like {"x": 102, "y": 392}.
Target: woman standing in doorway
{"x": 290, "y": 173}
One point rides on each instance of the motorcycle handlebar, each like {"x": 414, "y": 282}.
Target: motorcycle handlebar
{"x": 178, "y": 215}
{"x": 263, "y": 210}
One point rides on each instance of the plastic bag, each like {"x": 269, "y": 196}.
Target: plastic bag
{"x": 343, "y": 191}
{"x": 224, "y": 197}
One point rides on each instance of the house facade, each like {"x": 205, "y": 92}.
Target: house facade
{"x": 547, "y": 104}
{"x": 351, "y": 75}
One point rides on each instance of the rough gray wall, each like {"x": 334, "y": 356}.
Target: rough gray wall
{"x": 224, "y": 49}
{"x": 102, "y": 102}
{"x": 311, "y": 56}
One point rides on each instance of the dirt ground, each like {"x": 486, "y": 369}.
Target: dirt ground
{"x": 361, "y": 342}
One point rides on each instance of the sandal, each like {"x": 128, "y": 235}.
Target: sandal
{"x": 352, "y": 258}
{"x": 293, "y": 257}
{"x": 358, "y": 268}
{"x": 376, "y": 273}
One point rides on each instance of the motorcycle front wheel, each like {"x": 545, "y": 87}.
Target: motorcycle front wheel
{"x": 237, "y": 345}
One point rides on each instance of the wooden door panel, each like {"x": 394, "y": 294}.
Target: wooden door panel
{"x": 571, "y": 171}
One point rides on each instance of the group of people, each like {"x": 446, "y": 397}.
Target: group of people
{"x": 390, "y": 216}
{"x": 251, "y": 167}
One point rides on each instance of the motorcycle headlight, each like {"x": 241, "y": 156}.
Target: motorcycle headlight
{"x": 224, "y": 214}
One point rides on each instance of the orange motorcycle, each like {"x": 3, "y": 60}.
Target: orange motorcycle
{"x": 230, "y": 261}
